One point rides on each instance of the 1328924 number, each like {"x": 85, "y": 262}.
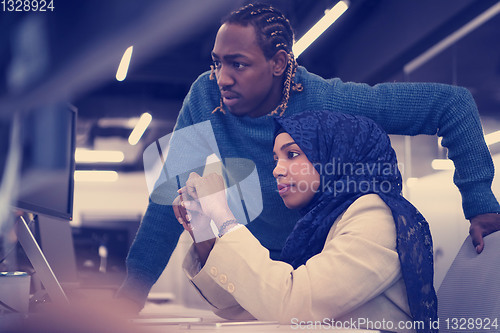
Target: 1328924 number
{"x": 460, "y": 324}
{"x": 27, "y": 5}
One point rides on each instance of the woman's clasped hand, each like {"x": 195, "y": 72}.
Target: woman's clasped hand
{"x": 200, "y": 201}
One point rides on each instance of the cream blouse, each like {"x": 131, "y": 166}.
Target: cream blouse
{"x": 356, "y": 278}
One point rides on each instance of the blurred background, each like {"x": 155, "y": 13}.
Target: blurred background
{"x": 71, "y": 54}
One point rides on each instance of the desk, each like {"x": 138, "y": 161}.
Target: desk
{"x": 208, "y": 322}
{"x": 192, "y": 321}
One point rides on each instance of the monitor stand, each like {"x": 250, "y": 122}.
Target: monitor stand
{"x": 40, "y": 264}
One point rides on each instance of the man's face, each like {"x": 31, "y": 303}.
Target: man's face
{"x": 245, "y": 77}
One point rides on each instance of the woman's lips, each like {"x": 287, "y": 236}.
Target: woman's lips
{"x": 283, "y": 188}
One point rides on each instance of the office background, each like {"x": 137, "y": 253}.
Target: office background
{"x": 78, "y": 47}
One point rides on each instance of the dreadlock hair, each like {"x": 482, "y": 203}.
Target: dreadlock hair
{"x": 274, "y": 33}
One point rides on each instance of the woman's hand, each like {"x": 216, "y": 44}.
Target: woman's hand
{"x": 192, "y": 219}
{"x": 209, "y": 192}
{"x": 197, "y": 224}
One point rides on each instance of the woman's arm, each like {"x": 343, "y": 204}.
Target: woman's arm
{"x": 358, "y": 263}
{"x": 222, "y": 302}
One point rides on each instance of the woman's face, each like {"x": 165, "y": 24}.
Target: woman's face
{"x": 297, "y": 178}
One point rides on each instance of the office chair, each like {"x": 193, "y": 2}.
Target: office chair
{"x": 469, "y": 297}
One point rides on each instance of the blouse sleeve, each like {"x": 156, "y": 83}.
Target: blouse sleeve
{"x": 359, "y": 262}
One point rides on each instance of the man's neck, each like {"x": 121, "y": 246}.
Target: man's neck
{"x": 273, "y": 101}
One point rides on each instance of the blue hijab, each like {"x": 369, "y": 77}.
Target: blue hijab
{"x": 354, "y": 157}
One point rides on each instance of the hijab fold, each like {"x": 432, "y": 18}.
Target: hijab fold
{"x": 354, "y": 157}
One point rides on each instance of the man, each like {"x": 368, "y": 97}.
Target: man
{"x": 255, "y": 75}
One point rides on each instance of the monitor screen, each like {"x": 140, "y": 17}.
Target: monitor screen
{"x": 46, "y": 182}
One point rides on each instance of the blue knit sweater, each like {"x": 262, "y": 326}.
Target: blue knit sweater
{"x": 400, "y": 108}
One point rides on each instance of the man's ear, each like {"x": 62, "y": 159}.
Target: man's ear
{"x": 279, "y": 62}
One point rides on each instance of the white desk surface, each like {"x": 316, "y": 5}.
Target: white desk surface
{"x": 181, "y": 319}
{"x": 197, "y": 320}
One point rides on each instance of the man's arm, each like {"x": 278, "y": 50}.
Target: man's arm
{"x": 483, "y": 225}
{"x": 432, "y": 108}
{"x": 157, "y": 236}
{"x": 153, "y": 245}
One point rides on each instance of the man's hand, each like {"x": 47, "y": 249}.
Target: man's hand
{"x": 483, "y": 225}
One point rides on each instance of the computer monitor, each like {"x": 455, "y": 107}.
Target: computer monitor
{"x": 46, "y": 181}
{"x": 40, "y": 263}
{"x": 45, "y": 187}
{"x": 55, "y": 238}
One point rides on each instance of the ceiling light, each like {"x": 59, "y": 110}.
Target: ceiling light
{"x": 139, "y": 128}
{"x": 98, "y": 156}
{"x": 95, "y": 176}
{"x": 131, "y": 122}
{"x": 412, "y": 181}
{"x": 442, "y": 164}
{"x": 121, "y": 73}
{"x": 492, "y": 138}
{"x": 330, "y": 17}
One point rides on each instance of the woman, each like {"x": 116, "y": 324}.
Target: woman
{"x": 360, "y": 254}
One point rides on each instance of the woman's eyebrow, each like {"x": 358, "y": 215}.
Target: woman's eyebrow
{"x": 287, "y": 145}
